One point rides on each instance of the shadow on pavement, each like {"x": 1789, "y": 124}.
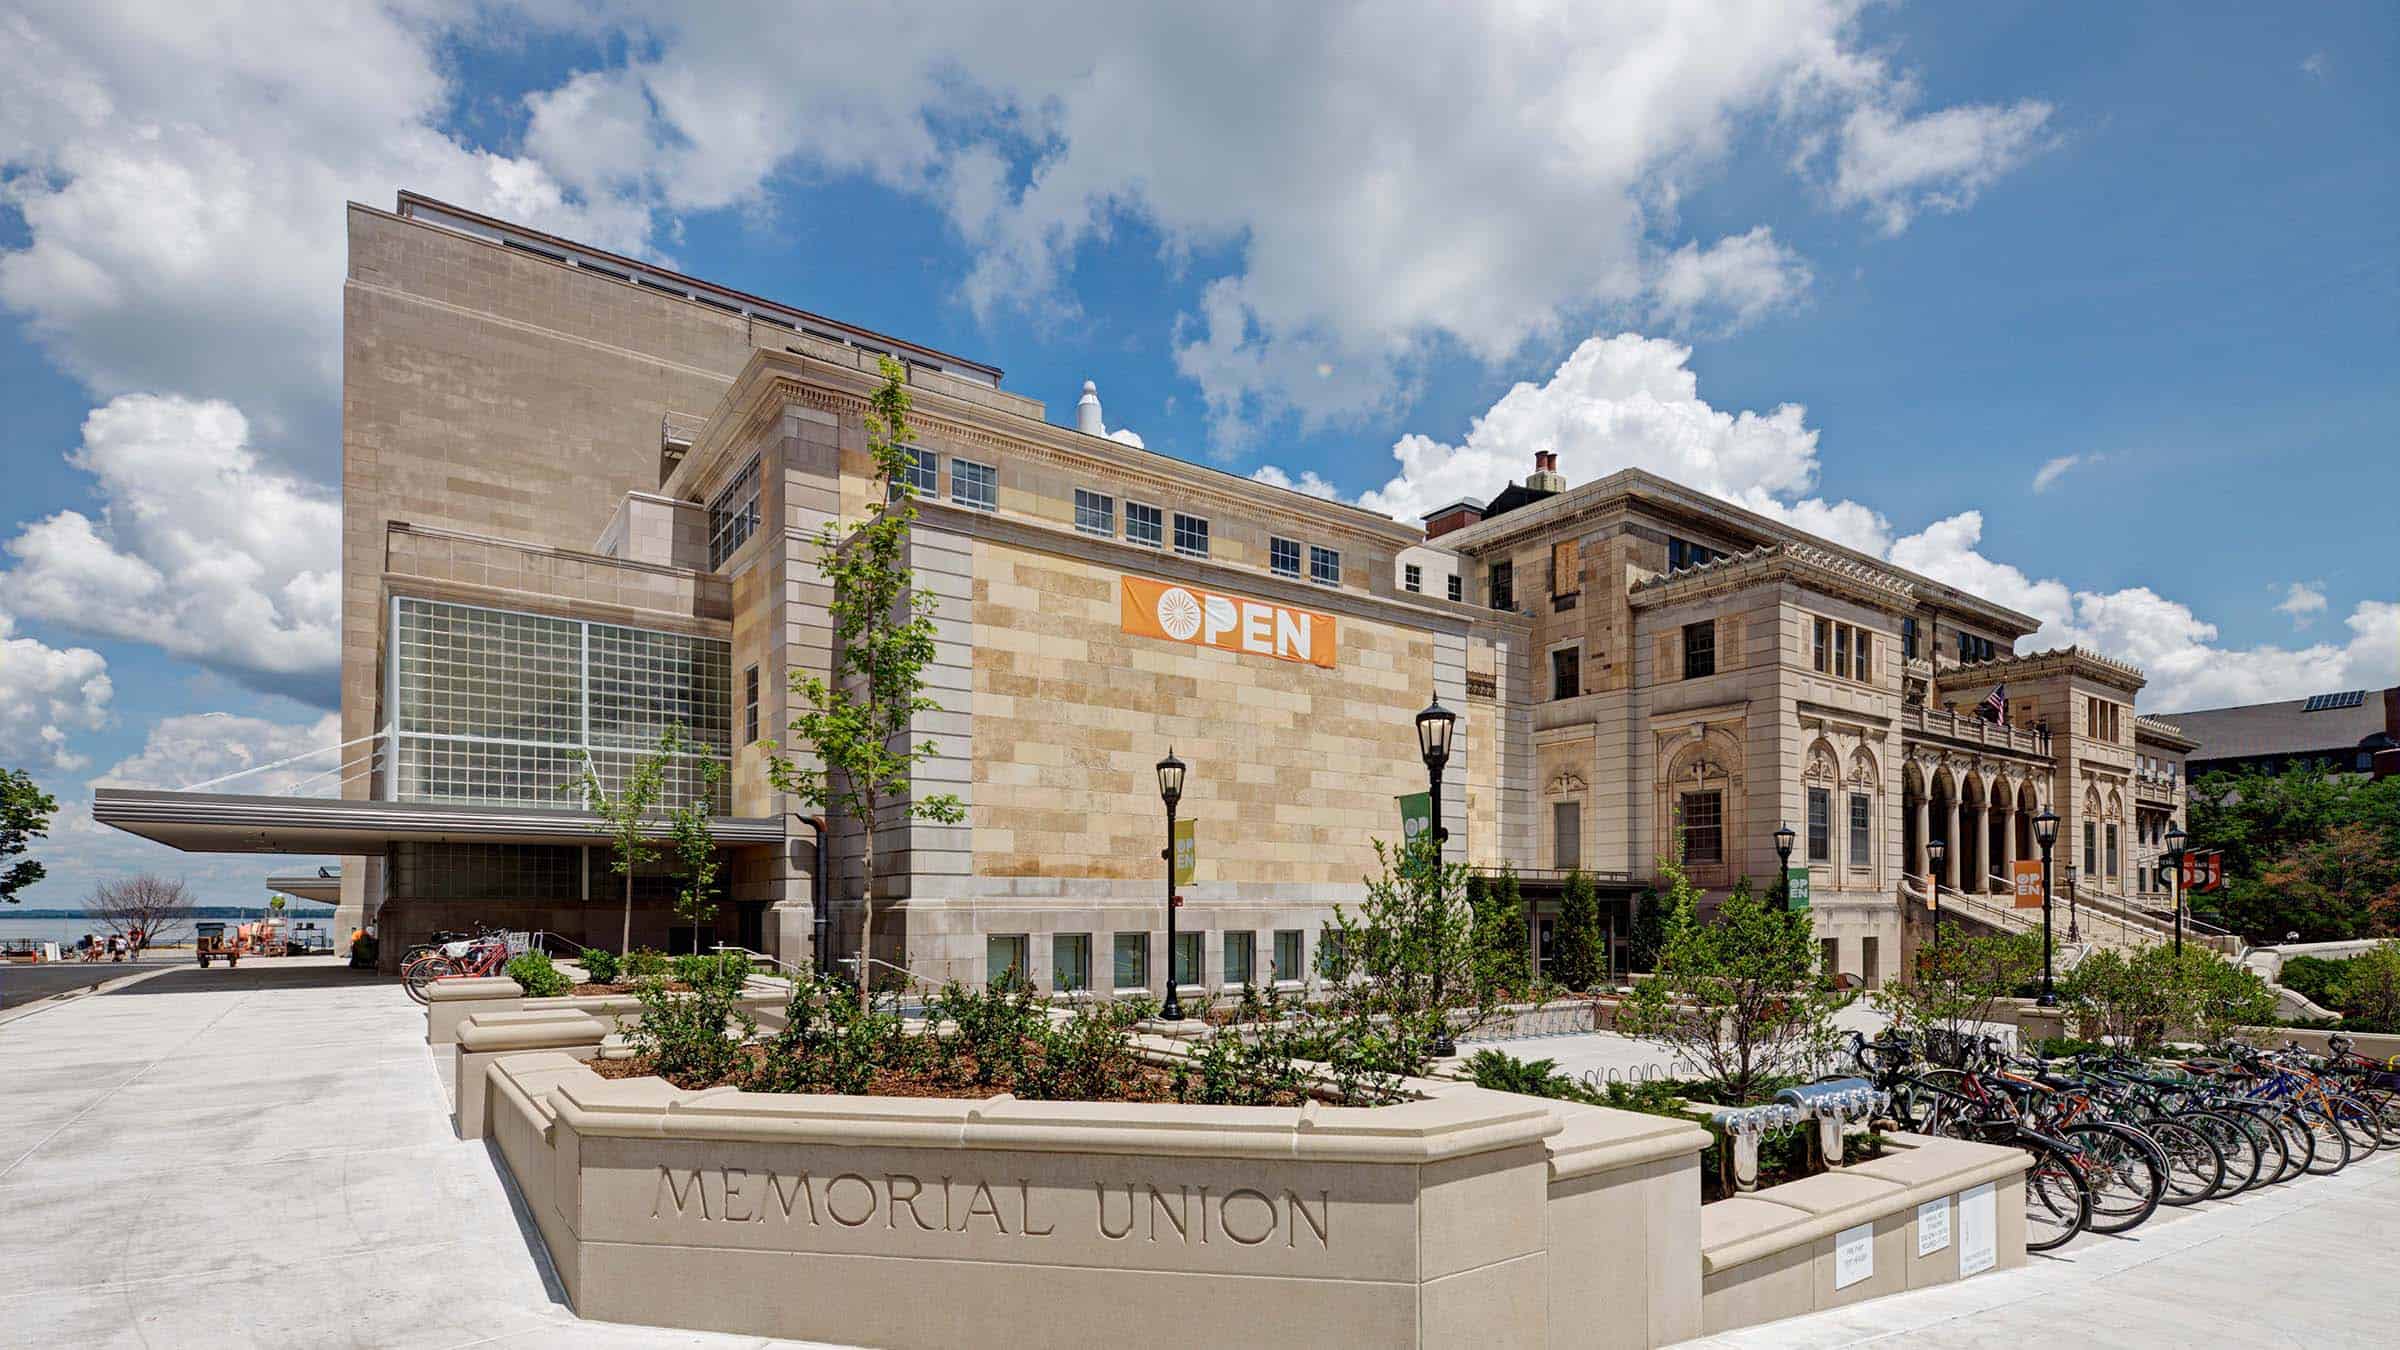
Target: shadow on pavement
{"x": 254, "y": 975}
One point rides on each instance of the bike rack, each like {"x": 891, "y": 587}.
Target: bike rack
{"x": 1833, "y": 1105}
{"x": 1742, "y": 1127}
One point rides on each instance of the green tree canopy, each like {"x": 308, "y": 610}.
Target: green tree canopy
{"x": 2306, "y": 851}
{"x": 25, "y": 812}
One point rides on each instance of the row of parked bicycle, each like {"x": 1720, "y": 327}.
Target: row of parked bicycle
{"x": 456, "y": 955}
{"x": 2115, "y": 1136}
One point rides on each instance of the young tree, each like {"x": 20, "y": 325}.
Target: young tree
{"x": 153, "y": 904}
{"x": 1501, "y": 951}
{"x": 1406, "y": 964}
{"x": 1958, "y": 989}
{"x": 627, "y": 811}
{"x": 1647, "y": 933}
{"x": 1741, "y": 997}
{"x": 24, "y": 816}
{"x": 696, "y": 860}
{"x": 858, "y": 722}
{"x": 1579, "y": 951}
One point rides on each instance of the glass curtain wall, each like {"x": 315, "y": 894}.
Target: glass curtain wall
{"x": 489, "y": 706}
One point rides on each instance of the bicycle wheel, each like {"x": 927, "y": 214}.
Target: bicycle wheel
{"x": 2359, "y": 1121}
{"x": 2195, "y": 1164}
{"x": 2242, "y": 1141}
{"x": 2124, "y": 1173}
{"x": 2385, "y": 1103}
{"x": 2332, "y": 1145}
{"x": 2058, "y": 1202}
{"x": 425, "y": 972}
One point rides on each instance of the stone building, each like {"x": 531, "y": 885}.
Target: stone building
{"x": 581, "y": 503}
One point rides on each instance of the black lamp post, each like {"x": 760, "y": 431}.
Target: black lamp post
{"x": 2175, "y": 882}
{"x": 1783, "y": 860}
{"x": 1170, "y": 791}
{"x": 2045, "y": 833}
{"x": 1935, "y": 851}
{"x": 1434, "y": 727}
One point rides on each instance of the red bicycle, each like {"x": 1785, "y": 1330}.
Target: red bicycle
{"x": 454, "y": 961}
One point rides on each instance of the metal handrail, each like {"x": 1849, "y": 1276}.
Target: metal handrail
{"x": 792, "y": 971}
{"x": 852, "y": 962}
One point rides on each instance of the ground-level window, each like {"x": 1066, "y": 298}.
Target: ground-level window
{"x": 1545, "y": 943}
{"x": 1132, "y": 961}
{"x": 1829, "y": 955}
{"x": 1289, "y": 945}
{"x": 1070, "y": 961}
{"x": 1820, "y": 825}
{"x": 1566, "y": 835}
{"x": 1004, "y": 959}
{"x": 1241, "y": 954}
{"x": 1859, "y": 820}
{"x": 1704, "y": 827}
{"x": 1144, "y": 525}
{"x": 1870, "y": 957}
{"x": 1187, "y": 958}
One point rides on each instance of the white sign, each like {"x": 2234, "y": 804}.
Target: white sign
{"x": 1853, "y": 1255}
{"x": 1933, "y": 1226}
{"x": 1978, "y": 1231}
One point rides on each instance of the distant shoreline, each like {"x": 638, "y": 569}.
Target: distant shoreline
{"x": 196, "y": 912}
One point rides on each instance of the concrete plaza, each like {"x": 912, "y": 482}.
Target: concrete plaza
{"x": 264, "y": 1157}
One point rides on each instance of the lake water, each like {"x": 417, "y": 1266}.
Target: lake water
{"x": 64, "y": 932}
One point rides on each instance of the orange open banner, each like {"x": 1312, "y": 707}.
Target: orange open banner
{"x": 2028, "y": 879}
{"x": 1181, "y": 613}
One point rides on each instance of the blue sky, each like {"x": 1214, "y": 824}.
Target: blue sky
{"x": 1873, "y": 268}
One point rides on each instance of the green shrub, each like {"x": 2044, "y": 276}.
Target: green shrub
{"x": 603, "y": 966}
{"x": 1579, "y": 959}
{"x": 642, "y": 963}
{"x": 832, "y": 1041}
{"x": 1259, "y": 1069}
{"x": 990, "y": 1031}
{"x": 534, "y": 974}
{"x": 694, "y": 1039}
{"x": 2314, "y": 977}
{"x": 1084, "y": 1057}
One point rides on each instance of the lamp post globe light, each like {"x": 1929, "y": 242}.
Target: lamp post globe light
{"x": 2045, "y": 833}
{"x": 1170, "y": 791}
{"x": 1783, "y": 860}
{"x": 2175, "y": 837}
{"x": 1434, "y": 728}
{"x": 1935, "y": 851}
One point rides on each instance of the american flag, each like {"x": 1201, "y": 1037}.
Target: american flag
{"x": 1995, "y": 705}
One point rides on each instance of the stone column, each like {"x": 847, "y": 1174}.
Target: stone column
{"x": 1917, "y": 866}
{"x": 1950, "y": 856}
{"x": 1980, "y": 830}
{"x": 2008, "y": 843}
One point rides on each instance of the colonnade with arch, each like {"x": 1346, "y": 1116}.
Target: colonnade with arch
{"x": 1983, "y": 809}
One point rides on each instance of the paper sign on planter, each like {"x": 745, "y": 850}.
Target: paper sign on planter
{"x": 1978, "y": 1231}
{"x": 1933, "y": 1226}
{"x": 1853, "y": 1255}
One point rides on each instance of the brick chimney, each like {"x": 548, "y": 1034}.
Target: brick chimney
{"x": 1545, "y": 476}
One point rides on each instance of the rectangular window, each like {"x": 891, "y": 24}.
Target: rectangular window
{"x": 1545, "y": 945}
{"x": 1324, "y": 565}
{"x": 1241, "y": 953}
{"x": 1822, "y": 649}
{"x": 1908, "y": 638}
{"x": 1004, "y": 959}
{"x": 1096, "y": 513}
{"x": 923, "y": 475}
{"x": 1566, "y": 835}
{"x": 2091, "y": 848}
{"x": 733, "y": 515}
{"x": 1566, "y": 568}
{"x": 1283, "y": 557}
{"x": 1187, "y": 959}
{"x": 1132, "y": 961}
{"x": 2112, "y": 853}
{"x": 1870, "y": 956}
{"x": 1412, "y": 579}
{"x": 1289, "y": 943}
{"x": 1191, "y": 536}
{"x": 973, "y": 485}
{"x": 1699, "y": 649}
{"x": 1865, "y": 659}
{"x": 1566, "y": 674}
{"x": 1682, "y": 554}
{"x": 1829, "y": 955}
{"x": 1144, "y": 525}
{"x": 750, "y": 705}
{"x": 1703, "y": 827}
{"x": 1070, "y": 962}
{"x": 1504, "y": 587}
{"x": 1456, "y": 588}
{"x": 1820, "y": 825}
{"x": 1860, "y": 860}
{"x": 1841, "y": 650}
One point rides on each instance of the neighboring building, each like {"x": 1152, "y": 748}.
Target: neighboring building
{"x": 581, "y": 502}
{"x": 2355, "y": 731}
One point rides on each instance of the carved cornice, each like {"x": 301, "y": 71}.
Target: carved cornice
{"x": 1802, "y": 563}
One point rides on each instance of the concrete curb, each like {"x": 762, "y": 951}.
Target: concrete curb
{"x": 71, "y": 995}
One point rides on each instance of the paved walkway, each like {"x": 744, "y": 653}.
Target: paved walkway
{"x": 260, "y": 1157}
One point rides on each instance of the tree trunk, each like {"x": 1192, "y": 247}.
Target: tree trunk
{"x": 866, "y": 918}
{"x": 625, "y": 940}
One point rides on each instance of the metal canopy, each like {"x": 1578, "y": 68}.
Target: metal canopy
{"x": 214, "y": 822}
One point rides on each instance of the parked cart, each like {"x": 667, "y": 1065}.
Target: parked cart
{"x": 212, "y": 943}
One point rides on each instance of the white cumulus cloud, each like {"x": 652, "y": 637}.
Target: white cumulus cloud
{"x": 2303, "y": 601}
{"x": 2047, "y": 476}
{"x": 46, "y": 695}
{"x": 1308, "y": 482}
{"x": 1897, "y": 167}
{"x": 1730, "y": 284}
{"x": 200, "y": 549}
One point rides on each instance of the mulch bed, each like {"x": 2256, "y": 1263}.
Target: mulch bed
{"x": 622, "y": 987}
{"x": 1141, "y": 1083}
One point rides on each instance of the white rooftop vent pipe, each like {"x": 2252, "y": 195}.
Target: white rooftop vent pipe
{"x": 1087, "y": 411}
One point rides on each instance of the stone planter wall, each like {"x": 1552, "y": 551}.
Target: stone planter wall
{"x": 1774, "y": 1253}
{"x": 1467, "y": 1218}
{"x": 449, "y": 1003}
